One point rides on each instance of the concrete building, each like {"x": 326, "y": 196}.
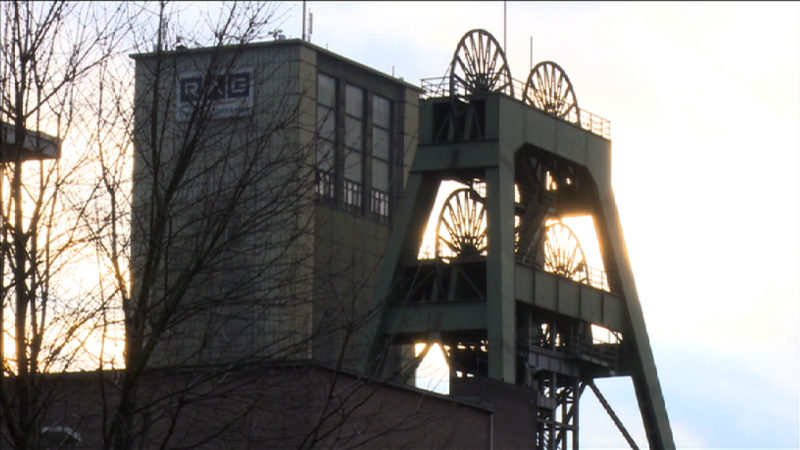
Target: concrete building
{"x": 294, "y": 159}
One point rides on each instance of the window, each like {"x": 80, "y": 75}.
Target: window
{"x": 381, "y": 152}
{"x": 326, "y": 138}
{"x": 353, "y": 162}
{"x": 353, "y": 146}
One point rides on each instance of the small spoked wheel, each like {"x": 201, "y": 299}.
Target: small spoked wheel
{"x": 479, "y": 66}
{"x": 563, "y": 254}
{"x": 461, "y": 230}
{"x": 548, "y": 88}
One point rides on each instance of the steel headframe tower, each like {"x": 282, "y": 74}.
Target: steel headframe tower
{"x": 507, "y": 291}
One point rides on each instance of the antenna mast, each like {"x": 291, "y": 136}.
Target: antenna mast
{"x": 531, "y": 67}
{"x": 504, "y": 26}
{"x": 310, "y": 24}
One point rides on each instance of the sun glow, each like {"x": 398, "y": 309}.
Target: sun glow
{"x": 582, "y": 226}
{"x": 428, "y": 248}
{"x": 433, "y": 373}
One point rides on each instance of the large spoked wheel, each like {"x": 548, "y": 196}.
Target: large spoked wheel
{"x": 479, "y": 66}
{"x": 548, "y": 88}
{"x": 461, "y": 231}
{"x": 563, "y": 254}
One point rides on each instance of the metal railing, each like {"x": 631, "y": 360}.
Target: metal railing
{"x": 606, "y": 354}
{"x": 436, "y": 87}
{"x": 597, "y": 278}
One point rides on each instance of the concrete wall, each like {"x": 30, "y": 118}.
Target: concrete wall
{"x": 237, "y": 234}
{"x": 349, "y": 242}
{"x": 278, "y": 406}
{"x": 287, "y": 277}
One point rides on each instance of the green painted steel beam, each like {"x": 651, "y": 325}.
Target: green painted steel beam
{"x": 423, "y": 318}
{"x": 510, "y": 126}
{"x": 576, "y": 300}
{"x": 404, "y": 241}
{"x": 456, "y": 156}
{"x": 645, "y": 377}
{"x": 500, "y": 306}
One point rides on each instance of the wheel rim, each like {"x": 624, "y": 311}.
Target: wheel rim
{"x": 479, "y": 66}
{"x": 461, "y": 230}
{"x": 563, "y": 254}
{"x": 548, "y": 88}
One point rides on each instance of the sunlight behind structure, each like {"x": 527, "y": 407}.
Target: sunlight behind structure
{"x": 432, "y": 373}
{"x": 603, "y": 335}
{"x": 428, "y": 248}
{"x": 583, "y": 227}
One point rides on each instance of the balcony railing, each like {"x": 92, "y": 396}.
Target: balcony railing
{"x": 435, "y": 87}
{"x": 597, "y": 278}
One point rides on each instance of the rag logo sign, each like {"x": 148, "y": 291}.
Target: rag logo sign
{"x": 229, "y": 95}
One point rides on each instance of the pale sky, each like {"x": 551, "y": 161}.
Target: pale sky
{"x": 704, "y": 104}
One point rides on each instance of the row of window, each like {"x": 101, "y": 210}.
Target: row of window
{"x": 364, "y": 170}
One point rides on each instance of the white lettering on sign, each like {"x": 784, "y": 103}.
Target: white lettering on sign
{"x": 226, "y": 95}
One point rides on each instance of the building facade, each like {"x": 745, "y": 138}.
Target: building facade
{"x": 266, "y": 178}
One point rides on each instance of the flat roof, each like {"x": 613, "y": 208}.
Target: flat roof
{"x": 279, "y": 42}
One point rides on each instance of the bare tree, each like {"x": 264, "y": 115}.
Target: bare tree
{"x": 197, "y": 214}
{"x": 48, "y": 49}
{"x": 212, "y": 221}
{"x": 214, "y": 227}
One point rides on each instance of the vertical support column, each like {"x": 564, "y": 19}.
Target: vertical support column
{"x": 404, "y": 240}
{"x": 645, "y": 377}
{"x": 500, "y": 308}
{"x": 576, "y": 402}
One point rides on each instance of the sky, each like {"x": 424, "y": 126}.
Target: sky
{"x": 704, "y": 104}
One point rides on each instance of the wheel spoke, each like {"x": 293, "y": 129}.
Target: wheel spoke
{"x": 563, "y": 254}
{"x": 462, "y": 225}
{"x": 479, "y": 65}
{"x": 549, "y": 89}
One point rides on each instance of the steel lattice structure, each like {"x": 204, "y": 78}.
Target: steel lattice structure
{"x": 509, "y": 293}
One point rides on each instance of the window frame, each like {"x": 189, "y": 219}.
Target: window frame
{"x": 379, "y": 198}
{"x": 354, "y": 188}
{"x": 325, "y": 178}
